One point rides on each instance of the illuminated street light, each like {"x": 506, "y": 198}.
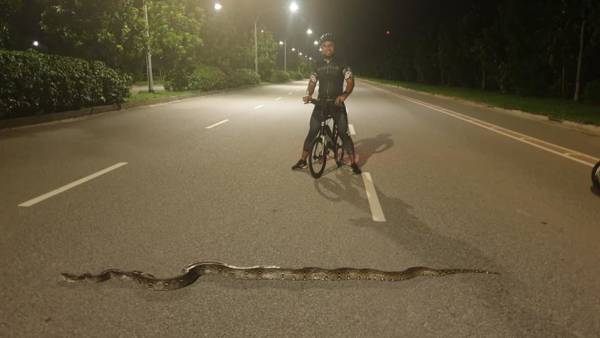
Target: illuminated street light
{"x": 218, "y": 6}
{"x": 309, "y": 31}
{"x": 36, "y": 43}
{"x": 316, "y": 43}
{"x": 310, "y": 58}
{"x": 284, "y": 44}
{"x": 300, "y": 53}
{"x": 262, "y": 30}
{"x": 293, "y": 49}
{"x": 294, "y": 7}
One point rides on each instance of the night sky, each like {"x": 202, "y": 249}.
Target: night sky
{"x": 359, "y": 25}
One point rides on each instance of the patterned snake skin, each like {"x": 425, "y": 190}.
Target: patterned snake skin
{"x": 193, "y": 272}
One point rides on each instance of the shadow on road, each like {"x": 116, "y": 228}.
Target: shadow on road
{"x": 435, "y": 249}
{"x": 367, "y": 147}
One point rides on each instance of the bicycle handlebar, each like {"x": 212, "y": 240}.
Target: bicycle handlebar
{"x": 316, "y": 101}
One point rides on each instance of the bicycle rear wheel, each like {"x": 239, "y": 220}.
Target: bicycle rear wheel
{"x": 317, "y": 158}
{"x": 596, "y": 177}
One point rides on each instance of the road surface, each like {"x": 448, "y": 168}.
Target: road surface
{"x": 156, "y": 188}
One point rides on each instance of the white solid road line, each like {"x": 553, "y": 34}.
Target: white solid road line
{"x": 567, "y": 153}
{"x": 351, "y": 129}
{"x": 278, "y": 99}
{"x": 217, "y": 124}
{"x": 62, "y": 189}
{"x": 259, "y": 106}
{"x": 376, "y": 210}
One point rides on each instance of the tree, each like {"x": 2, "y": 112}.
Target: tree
{"x": 177, "y": 28}
{"x": 108, "y": 30}
{"x": 113, "y": 31}
{"x": 267, "y": 54}
{"x": 7, "y": 14}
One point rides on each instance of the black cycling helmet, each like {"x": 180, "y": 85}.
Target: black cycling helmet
{"x": 327, "y": 37}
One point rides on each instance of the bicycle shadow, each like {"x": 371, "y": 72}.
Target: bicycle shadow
{"x": 367, "y": 147}
{"x": 435, "y": 249}
{"x": 595, "y": 191}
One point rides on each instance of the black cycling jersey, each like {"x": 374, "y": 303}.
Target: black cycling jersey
{"x": 330, "y": 73}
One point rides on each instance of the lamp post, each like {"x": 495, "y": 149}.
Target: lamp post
{"x": 148, "y": 51}
{"x": 284, "y": 44}
{"x": 293, "y": 9}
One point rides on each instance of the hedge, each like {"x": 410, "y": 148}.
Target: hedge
{"x": 242, "y": 77}
{"x": 296, "y": 75}
{"x": 280, "y": 76}
{"x": 34, "y": 83}
{"x": 206, "y": 78}
{"x": 592, "y": 91}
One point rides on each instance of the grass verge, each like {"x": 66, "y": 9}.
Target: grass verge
{"x": 587, "y": 113}
{"x": 141, "y": 97}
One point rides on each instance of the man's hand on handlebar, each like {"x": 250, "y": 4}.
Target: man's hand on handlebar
{"x": 340, "y": 100}
{"x": 307, "y": 99}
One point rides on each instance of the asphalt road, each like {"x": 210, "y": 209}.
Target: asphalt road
{"x": 455, "y": 192}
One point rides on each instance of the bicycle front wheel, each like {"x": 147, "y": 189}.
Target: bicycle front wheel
{"x": 596, "y": 176}
{"x": 318, "y": 157}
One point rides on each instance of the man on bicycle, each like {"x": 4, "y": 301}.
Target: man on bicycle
{"x": 330, "y": 74}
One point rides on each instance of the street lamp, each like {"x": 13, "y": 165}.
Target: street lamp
{"x": 218, "y": 6}
{"x": 284, "y": 44}
{"x": 148, "y": 51}
{"x": 316, "y": 43}
{"x": 309, "y": 31}
{"x": 293, "y": 49}
{"x": 36, "y": 43}
{"x": 293, "y": 9}
{"x": 300, "y": 54}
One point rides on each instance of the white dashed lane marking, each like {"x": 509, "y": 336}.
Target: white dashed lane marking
{"x": 217, "y": 124}
{"x": 71, "y": 185}
{"x": 376, "y": 210}
{"x": 351, "y": 129}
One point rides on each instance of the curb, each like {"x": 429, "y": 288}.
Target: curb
{"x": 39, "y": 120}
{"x": 581, "y": 127}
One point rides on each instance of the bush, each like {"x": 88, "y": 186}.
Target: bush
{"x": 242, "y": 77}
{"x": 34, "y": 83}
{"x": 295, "y": 75}
{"x": 207, "y": 78}
{"x": 203, "y": 78}
{"x": 280, "y": 76}
{"x": 592, "y": 91}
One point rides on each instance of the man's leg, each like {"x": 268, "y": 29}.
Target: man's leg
{"x": 313, "y": 130}
{"x": 342, "y": 124}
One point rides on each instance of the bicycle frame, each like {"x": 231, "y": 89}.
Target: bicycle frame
{"x": 328, "y": 137}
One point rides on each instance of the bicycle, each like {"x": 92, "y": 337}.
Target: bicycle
{"x": 596, "y": 177}
{"x": 327, "y": 141}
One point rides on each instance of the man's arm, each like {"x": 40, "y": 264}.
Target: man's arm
{"x": 312, "y": 84}
{"x": 310, "y": 90}
{"x": 349, "y": 77}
